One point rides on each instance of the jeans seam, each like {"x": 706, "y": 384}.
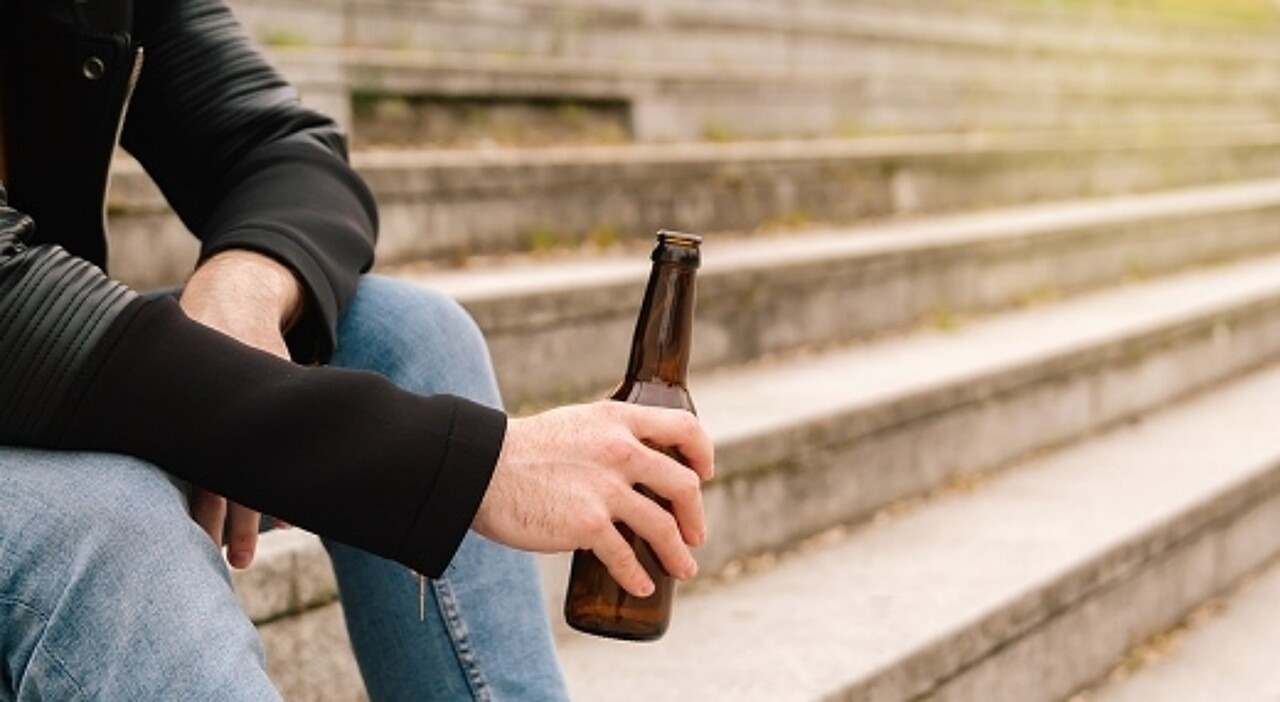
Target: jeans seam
{"x": 461, "y": 638}
{"x": 52, "y": 655}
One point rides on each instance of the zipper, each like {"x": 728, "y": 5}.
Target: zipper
{"x": 134, "y": 72}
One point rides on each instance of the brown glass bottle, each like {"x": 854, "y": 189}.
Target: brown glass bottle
{"x": 656, "y": 376}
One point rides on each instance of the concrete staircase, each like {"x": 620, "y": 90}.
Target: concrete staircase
{"x": 881, "y": 487}
{"x": 992, "y": 405}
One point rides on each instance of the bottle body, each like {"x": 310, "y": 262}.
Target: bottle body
{"x": 595, "y": 603}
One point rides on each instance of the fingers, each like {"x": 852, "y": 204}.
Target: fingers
{"x": 664, "y": 475}
{"x": 241, "y": 535}
{"x": 673, "y": 428}
{"x": 227, "y": 523}
{"x": 616, "y": 554}
{"x": 658, "y": 528}
{"x": 681, "y": 487}
{"x": 210, "y": 512}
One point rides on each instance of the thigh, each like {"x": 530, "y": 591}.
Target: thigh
{"x": 483, "y": 633}
{"x": 109, "y": 591}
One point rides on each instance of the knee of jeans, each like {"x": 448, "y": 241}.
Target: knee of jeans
{"x": 395, "y": 313}
{"x": 416, "y": 336}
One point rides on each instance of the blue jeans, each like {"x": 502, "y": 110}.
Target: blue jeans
{"x": 109, "y": 591}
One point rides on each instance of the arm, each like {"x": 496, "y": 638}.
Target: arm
{"x": 244, "y": 164}
{"x": 86, "y": 364}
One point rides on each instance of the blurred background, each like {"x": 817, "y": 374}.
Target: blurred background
{"x": 986, "y": 332}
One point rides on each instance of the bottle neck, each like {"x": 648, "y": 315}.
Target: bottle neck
{"x": 664, "y": 331}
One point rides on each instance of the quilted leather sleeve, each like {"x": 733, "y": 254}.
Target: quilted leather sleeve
{"x": 54, "y": 311}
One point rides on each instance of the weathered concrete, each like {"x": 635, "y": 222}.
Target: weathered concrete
{"x": 767, "y": 295}
{"x": 806, "y": 445}
{"x": 834, "y": 437}
{"x": 760, "y": 69}
{"x": 309, "y": 657}
{"x": 1025, "y": 589}
{"x": 450, "y": 205}
{"x": 674, "y": 100}
{"x": 1229, "y": 655}
{"x": 290, "y": 575}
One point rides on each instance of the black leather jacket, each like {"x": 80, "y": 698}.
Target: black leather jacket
{"x": 87, "y": 364}
{"x": 222, "y": 134}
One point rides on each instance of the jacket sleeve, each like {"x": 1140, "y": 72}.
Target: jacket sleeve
{"x": 87, "y": 364}
{"x": 243, "y": 163}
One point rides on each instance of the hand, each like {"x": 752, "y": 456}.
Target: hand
{"x": 564, "y": 477}
{"x": 253, "y": 299}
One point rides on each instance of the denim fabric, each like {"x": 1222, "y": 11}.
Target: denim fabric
{"x": 108, "y": 591}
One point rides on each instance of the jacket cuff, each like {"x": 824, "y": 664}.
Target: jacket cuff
{"x": 475, "y": 439}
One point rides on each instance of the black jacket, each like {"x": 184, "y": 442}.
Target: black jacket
{"x": 87, "y": 364}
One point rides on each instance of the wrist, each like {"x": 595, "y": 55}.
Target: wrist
{"x": 255, "y": 278}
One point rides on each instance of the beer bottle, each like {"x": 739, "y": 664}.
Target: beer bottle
{"x": 655, "y": 376}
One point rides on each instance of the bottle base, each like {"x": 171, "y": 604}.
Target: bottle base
{"x": 613, "y": 629}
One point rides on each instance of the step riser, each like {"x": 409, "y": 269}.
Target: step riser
{"x": 309, "y": 657}
{"x": 1030, "y": 651}
{"x": 592, "y": 29}
{"x": 691, "y": 71}
{"x": 445, "y": 207}
{"x": 538, "y": 343}
{"x": 778, "y": 489}
{"x": 669, "y": 104}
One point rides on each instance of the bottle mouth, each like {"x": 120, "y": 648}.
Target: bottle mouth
{"x": 667, "y": 236}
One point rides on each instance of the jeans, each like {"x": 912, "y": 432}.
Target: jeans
{"x": 109, "y": 591}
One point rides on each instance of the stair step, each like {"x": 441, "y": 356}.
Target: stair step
{"x": 692, "y": 68}
{"x": 808, "y": 443}
{"x": 1025, "y": 589}
{"x": 1228, "y": 653}
{"x": 813, "y": 442}
{"x": 449, "y": 206}
{"x": 767, "y": 295}
{"x": 824, "y": 439}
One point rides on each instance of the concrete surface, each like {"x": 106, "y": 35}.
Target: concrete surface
{"x": 1231, "y": 657}
{"x": 455, "y": 205}
{"x": 689, "y": 69}
{"x": 819, "y": 288}
{"x": 834, "y": 437}
{"x": 966, "y": 598}
{"x": 831, "y": 437}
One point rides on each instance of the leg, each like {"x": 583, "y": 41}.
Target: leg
{"x": 485, "y": 634}
{"x": 108, "y": 590}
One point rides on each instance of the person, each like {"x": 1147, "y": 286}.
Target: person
{"x": 142, "y": 434}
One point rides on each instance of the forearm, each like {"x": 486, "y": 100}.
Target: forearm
{"x": 86, "y": 364}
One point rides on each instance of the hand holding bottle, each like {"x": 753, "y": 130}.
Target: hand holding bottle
{"x": 565, "y": 476}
